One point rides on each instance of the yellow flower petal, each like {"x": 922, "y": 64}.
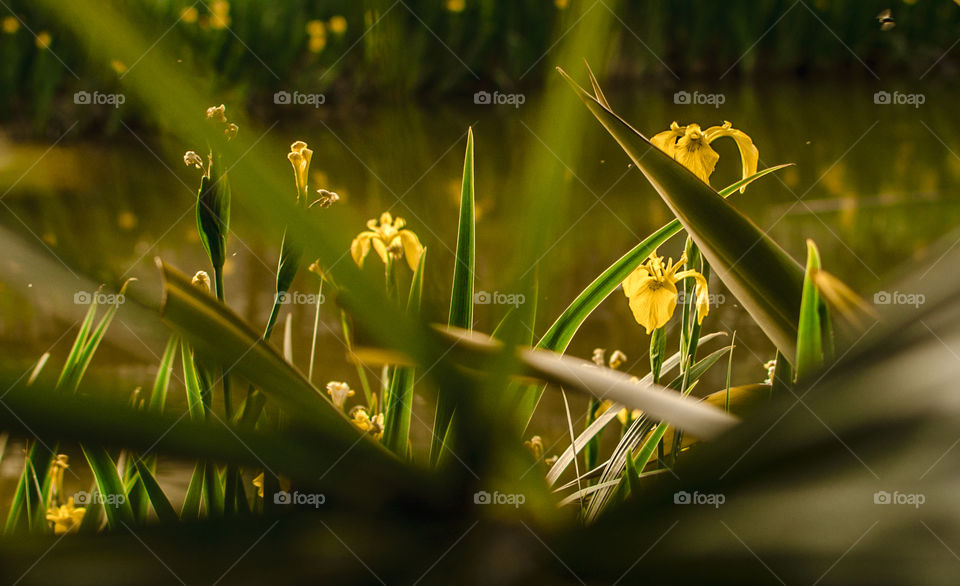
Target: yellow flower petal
{"x": 412, "y": 249}
{"x": 749, "y": 155}
{"x": 381, "y": 249}
{"x": 694, "y": 153}
{"x": 360, "y": 247}
{"x": 666, "y": 141}
{"x": 635, "y": 281}
{"x": 653, "y": 304}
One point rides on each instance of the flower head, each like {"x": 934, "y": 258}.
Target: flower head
{"x": 389, "y": 236}
{"x": 690, "y": 146}
{"x": 299, "y": 157}
{"x": 372, "y": 425}
{"x": 192, "y": 158}
{"x": 43, "y": 40}
{"x": 217, "y": 113}
{"x": 220, "y": 14}
{"x": 337, "y": 24}
{"x": 66, "y": 517}
{"x": 11, "y": 24}
{"x": 339, "y": 392}
{"x": 189, "y": 14}
{"x": 535, "y": 445}
{"x": 617, "y": 359}
{"x": 201, "y": 280}
{"x": 652, "y": 291}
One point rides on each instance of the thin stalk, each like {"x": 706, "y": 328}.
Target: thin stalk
{"x": 316, "y": 325}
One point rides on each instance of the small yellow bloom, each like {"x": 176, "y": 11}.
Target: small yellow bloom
{"x": 220, "y": 14}
{"x": 339, "y": 392}
{"x": 258, "y": 483}
{"x": 337, "y": 24}
{"x": 316, "y": 28}
{"x": 189, "y": 14}
{"x": 218, "y": 113}
{"x": 119, "y": 67}
{"x": 11, "y": 25}
{"x": 690, "y": 147}
{"x": 363, "y": 421}
{"x": 617, "y": 359}
{"x": 624, "y": 415}
{"x": 535, "y": 445}
{"x": 317, "y": 44}
{"x": 65, "y": 518}
{"x": 456, "y": 5}
{"x": 387, "y": 237}
{"x": 652, "y": 291}
{"x": 299, "y": 157}
{"x": 560, "y": 4}
{"x": 201, "y": 280}
{"x": 43, "y": 40}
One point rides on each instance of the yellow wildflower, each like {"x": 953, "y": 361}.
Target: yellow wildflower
{"x": 220, "y": 14}
{"x": 337, "y": 24}
{"x": 300, "y": 156}
{"x": 66, "y": 517}
{"x": 652, "y": 291}
{"x": 456, "y": 5}
{"x": 339, "y": 393}
{"x": 189, "y": 14}
{"x": 201, "y": 280}
{"x": 690, "y": 146}
{"x": 363, "y": 421}
{"x": 11, "y": 25}
{"x": 535, "y": 445}
{"x": 258, "y": 483}
{"x": 387, "y": 237}
{"x": 43, "y": 40}
{"x": 315, "y": 28}
{"x": 560, "y": 4}
{"x": 218, "y": 113}
{"x": 317, "y": 44}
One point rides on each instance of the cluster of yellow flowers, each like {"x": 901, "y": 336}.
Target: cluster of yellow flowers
{"x": 652, "y": 287}
{"x": 317, "y": 31}
{"x": 219, "y": 15}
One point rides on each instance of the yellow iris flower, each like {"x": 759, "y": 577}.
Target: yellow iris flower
{"x": 299, "y": 157}
{"x": 652, "y": 291}
{"x": 66, "y": 517}
{"x": 690, "y": 146}
{"x": 388, "y": 237}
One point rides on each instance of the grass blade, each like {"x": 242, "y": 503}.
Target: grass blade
{"x": 109, "y": 485}
{"x": 809, "y": 341}
{"x": 461, "y": 295}
{"x": 158, "y": 500}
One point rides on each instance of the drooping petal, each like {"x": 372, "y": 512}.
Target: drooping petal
{"x": 412, "y": 249}
{"x": 749, "y": 155}
{"x": 694, "y": 153}
{"x": 703, "y": 295}
{"x": 653, "y": 304}
{"x": 381, "y": 248}
{"x": 360, "y": 247}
